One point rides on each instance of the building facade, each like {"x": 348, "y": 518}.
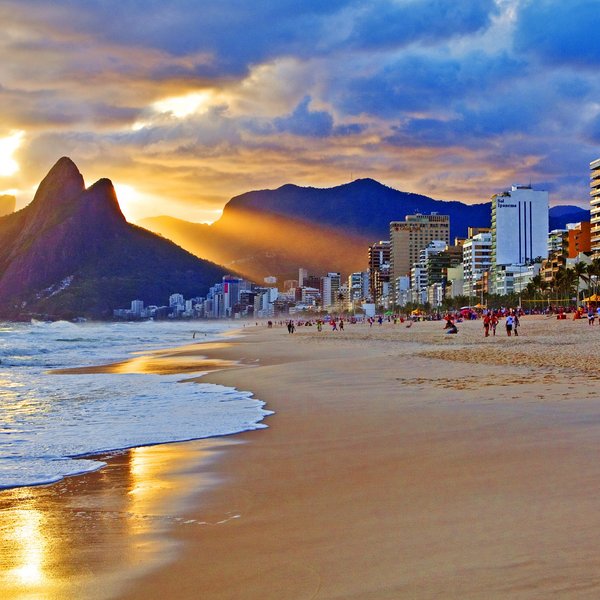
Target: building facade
{"x": 379, "y": 269}
{"x": 580, "y": 239}
{"x": 519, "y": 232}
{"x": 409, "y": 237}
{"x": 477, "y": 259}
{"x": 595, "y": 207}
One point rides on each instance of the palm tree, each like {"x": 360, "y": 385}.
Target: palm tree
{"x": 564, "y": 281}
{"x": 593, "y": 272}
{"x": 580, "y": 272}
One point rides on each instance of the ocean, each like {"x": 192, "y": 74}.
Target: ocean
{"x": 49, "y": 421}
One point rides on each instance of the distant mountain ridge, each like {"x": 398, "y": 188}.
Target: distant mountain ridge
{"x": 273, "y": 232}
{"x": 72, "y": 253}
{"x": 364, "y": 207}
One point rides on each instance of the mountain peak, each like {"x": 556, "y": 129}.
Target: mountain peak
{"x": 100, "y": 202}
{"x": 62, "y": 183}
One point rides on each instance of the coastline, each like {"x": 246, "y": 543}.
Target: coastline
{"x": 385, "y": 472}
{"x": 388, "y": 473}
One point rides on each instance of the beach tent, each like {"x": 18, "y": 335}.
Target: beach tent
{"x": 592, "y": 298}
{"x": 479, "y": 305}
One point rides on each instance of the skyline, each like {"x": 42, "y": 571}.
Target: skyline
{"x": 184, "y": 105}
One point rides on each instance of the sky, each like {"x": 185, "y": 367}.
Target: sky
{"x": 186, "y": 103}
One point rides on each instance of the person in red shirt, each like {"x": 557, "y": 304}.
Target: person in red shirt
{"x": 486, "y": 325}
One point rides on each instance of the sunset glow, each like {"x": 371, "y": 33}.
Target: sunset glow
{"x": 8, "y": 146}
{"x": 183, "y": 106}
{"x": 194, "y": 107}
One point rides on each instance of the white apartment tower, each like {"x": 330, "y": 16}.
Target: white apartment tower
{"x": 595, "y": 206}
{"x": 519, "y": 228}
{"x": 477, "y": 259}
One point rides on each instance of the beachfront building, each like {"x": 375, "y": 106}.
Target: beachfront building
{"x": 477, "y": 259}
{"x": 438, "y": 263}
{"x": 435, "y": 294}
{"x": 426, "y": 271}
{"x": 519, "y": 233}
{"x": 524, "y": 276}
{"x": 264, "y": 302}
{"x": 580, "y": 239}
{"x": 409, "y": 237}
{"x": 232, "y": 287}
{"x": 358, "y": 289}
{"x": 311, "y": 296}
{"x": 558, "y": 241}
{"x": 504, "y": 279}
{"x": 302, "y": 276}
{"x": 402, "y": 290}
{"x": 455, "y": 281}
{"x": 418, "y": 284}
{"x": 330, "y": 289}
{"x": 595, "y": 207}
{"x": 379, "y": 271}
{"x": 137, "y": 308}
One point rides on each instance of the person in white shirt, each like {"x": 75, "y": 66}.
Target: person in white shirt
{"x": 509, "y": 325}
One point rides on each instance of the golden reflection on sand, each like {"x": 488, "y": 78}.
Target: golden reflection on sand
{"x": 81, "y": 537}
{"x": 29, "y": 547}
{"x": 188, "y": 359}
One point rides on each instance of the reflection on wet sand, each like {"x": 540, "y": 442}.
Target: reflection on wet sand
{"x": 164, "y": 362}
{"x": 60, "y": 541}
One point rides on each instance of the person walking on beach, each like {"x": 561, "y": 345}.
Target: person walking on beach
{"x": 509, "y": 324}
{"x": 591, "y": 317}
{"x": 516, "y": 323}
{"x": 494, "y": 323}
{"x": 341, "y": 325}
{"x": 333, "y": 325}
{"x": 486, "y": 325}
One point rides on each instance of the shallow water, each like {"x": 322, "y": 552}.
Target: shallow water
{"x": 47, "y": 420}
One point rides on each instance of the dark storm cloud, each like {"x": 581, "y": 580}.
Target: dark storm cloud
{"x": 419, "y": 82}
{"x": 560, "y": 32}
{"x": 306, "y": 122}
{"x": 392, "y": 24}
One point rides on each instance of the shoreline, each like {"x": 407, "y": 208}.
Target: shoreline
{"x": 462, "y": 484}
{"x": 387, "y": 472}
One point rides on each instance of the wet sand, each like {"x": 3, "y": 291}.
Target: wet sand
{"x": 400, "y": 463}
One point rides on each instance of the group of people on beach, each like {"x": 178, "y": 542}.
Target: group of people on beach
{"x": 492, "y": 318}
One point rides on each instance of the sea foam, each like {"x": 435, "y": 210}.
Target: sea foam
{"x": 49, "y": 421}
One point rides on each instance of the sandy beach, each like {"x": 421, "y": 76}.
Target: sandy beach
{"x": 400, "y": 463}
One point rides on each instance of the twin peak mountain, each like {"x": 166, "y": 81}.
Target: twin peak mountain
{"x": 72, "y": 253}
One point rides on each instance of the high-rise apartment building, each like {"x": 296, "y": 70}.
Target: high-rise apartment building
{"x": 379, "y": 269}
{"x": 330, "y": 289}
{"x": 595, "y": 206}
{"x": 579, "y": 238}
{"x": 477, "y": 259}
{"x": 519, "y": 225}
{"x": 519, "y": 230}
{"x": 409, "y": 237}
{"x": 358, "y": 288}
{"x": 302, "y": 275}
